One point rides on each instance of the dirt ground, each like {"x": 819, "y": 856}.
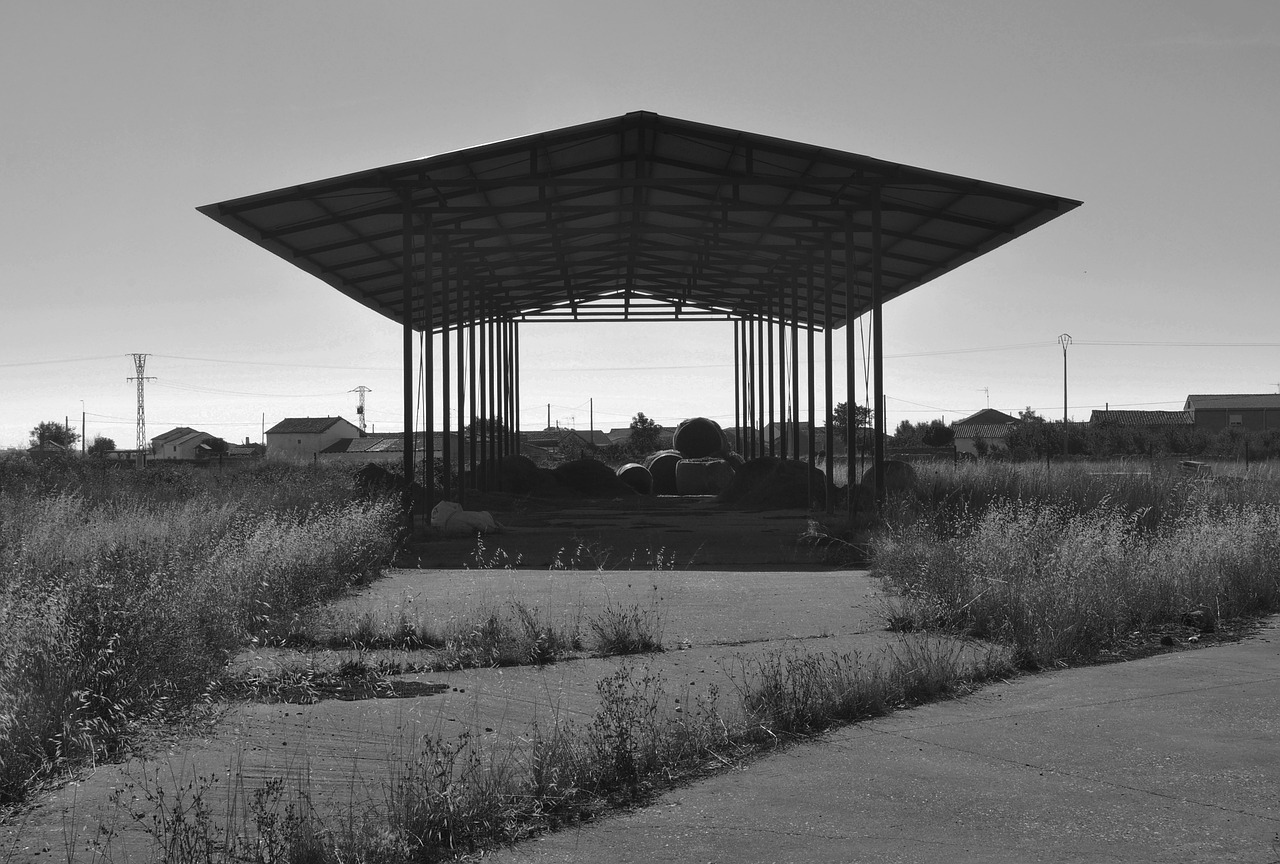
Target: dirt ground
{"x": 693, "y": 533}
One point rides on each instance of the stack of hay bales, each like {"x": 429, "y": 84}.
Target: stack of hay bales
{"x": 702, "y": 468}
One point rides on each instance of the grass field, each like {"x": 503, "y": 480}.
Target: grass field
{"x": 121, "y": 604}
{"x": 123, "y": 594}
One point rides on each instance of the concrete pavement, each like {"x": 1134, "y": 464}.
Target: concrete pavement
{"x": 1171, "y": 758}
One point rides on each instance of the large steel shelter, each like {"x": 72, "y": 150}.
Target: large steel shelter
{"x": 635, "y": 217}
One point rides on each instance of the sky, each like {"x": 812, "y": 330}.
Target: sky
{"x": 121, "y": 118}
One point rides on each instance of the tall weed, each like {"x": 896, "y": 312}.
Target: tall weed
{"x": 116, "y": 610}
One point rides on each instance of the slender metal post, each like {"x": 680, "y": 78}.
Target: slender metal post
{"x": 472, "y": 393}
{"x": 795, "y": 367}
{"x": 462, "y": 395}
{"x": 428, "y": 369}
{"x": 877, "y": 337}
{"x": 829, "y": 384}
{"x": 813, "y": 420}
{"x": 446, "y": 448}
{"x": 406, "y": 263}
{"x": 759, "y": 383}
{"x": 1064, "y": 340}
{"x": 769, "y": 366}
{"x": 737, "y": 394}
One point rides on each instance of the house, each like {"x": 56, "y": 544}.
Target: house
{"x": 1142, "y": 419}
{"x": 182, "y": 442}
{"x": 1248, "y": 412}
{"x": 989, "y": 425}
{"x": 46, "y": 450}
{"x": 303, "y": 438}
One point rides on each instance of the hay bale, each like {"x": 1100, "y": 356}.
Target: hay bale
{"x": 769, "y": 483}
{"x": 637, "y": 477}
{"x": 662, "y": 468}
{"x": 899, "y": 477}
{"x": 691, "y": 477}
{"x": 720, "y": 475}
{"x": 703, "y": 476}
{"x": 698, "y": 437}
{"x": 591, "y": 479}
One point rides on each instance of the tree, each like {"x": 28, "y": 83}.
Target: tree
{"x": 937, "y": 434}
{"x": 217, "y": 445}
{"x": 101, "y": 446}
{"x": 645, "y": 434}
{"x": 1030, "y": 416}
{"x": 862, "y": 417}
{"x": 55, "y": 432}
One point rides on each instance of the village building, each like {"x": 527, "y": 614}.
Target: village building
{"x": 303, "y": 438}
{"x": 1250, "y": 412}
{"x": 990, "y": 426}
{"x": 181, "y": 443}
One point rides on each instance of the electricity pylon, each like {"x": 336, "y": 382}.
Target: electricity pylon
{"x": 360, "y": 407}
{"x": 140, "y": 364}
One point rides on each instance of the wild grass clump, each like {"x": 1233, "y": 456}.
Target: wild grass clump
{"x": 510, "y": 635}
{"x": 1061, "y": 585}
{"x": 790, "y": 693}
{"x": 454, "y": 797}
{"x": 118, "y": 612}
{"x": 620, "y": 630}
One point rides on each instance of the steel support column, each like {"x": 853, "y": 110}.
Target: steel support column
{"x": 813, "y": 420}
{"x": 737, "y": 393}
{"x": 446, "y": 449}
{"x": 851, "y": 370}
{"x": 877, "y": 344}
{"x": 462, "y": 394}
{"x": 768, "y": 326}
{"x": 795, "y": 367}
{"x": 406, "y": 263}
{"x": 829, "y": 385}
{"x": 428, "y": 370}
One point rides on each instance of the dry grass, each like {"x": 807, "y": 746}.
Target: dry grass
{"x": 116, "y": 610}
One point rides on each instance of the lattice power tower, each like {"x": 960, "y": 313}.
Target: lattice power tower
{"x": 360, "y": 407}
{"x": 140, "y": 364}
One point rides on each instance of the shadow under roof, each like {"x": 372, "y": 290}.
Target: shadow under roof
{"x": 635, "y": 217}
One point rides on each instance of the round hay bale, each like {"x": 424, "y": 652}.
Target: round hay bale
{"x": 637, "y": 477}
{"x": 591, "y": 479}
{"x": 698, "y": 437}
{"x": 719, "y": 475}
{"x": 769, "y": 483}
{"x": 691, "y": 477}
{"x": 899, "y": 477}
{"x": 662, "y": 468}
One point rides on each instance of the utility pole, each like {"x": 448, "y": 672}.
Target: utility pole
{"x": 140, "y": 365}
{"x": 83, "y": 436}
{"x": 1064, "y": 340}
{"x": 360, "y": 407}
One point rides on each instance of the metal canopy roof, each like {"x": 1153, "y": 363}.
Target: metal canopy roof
{"x": 636, "y": 217}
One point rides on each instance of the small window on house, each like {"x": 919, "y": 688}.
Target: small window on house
{"x": 1235, "y": 420}
{"x": 299, "y": 440}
